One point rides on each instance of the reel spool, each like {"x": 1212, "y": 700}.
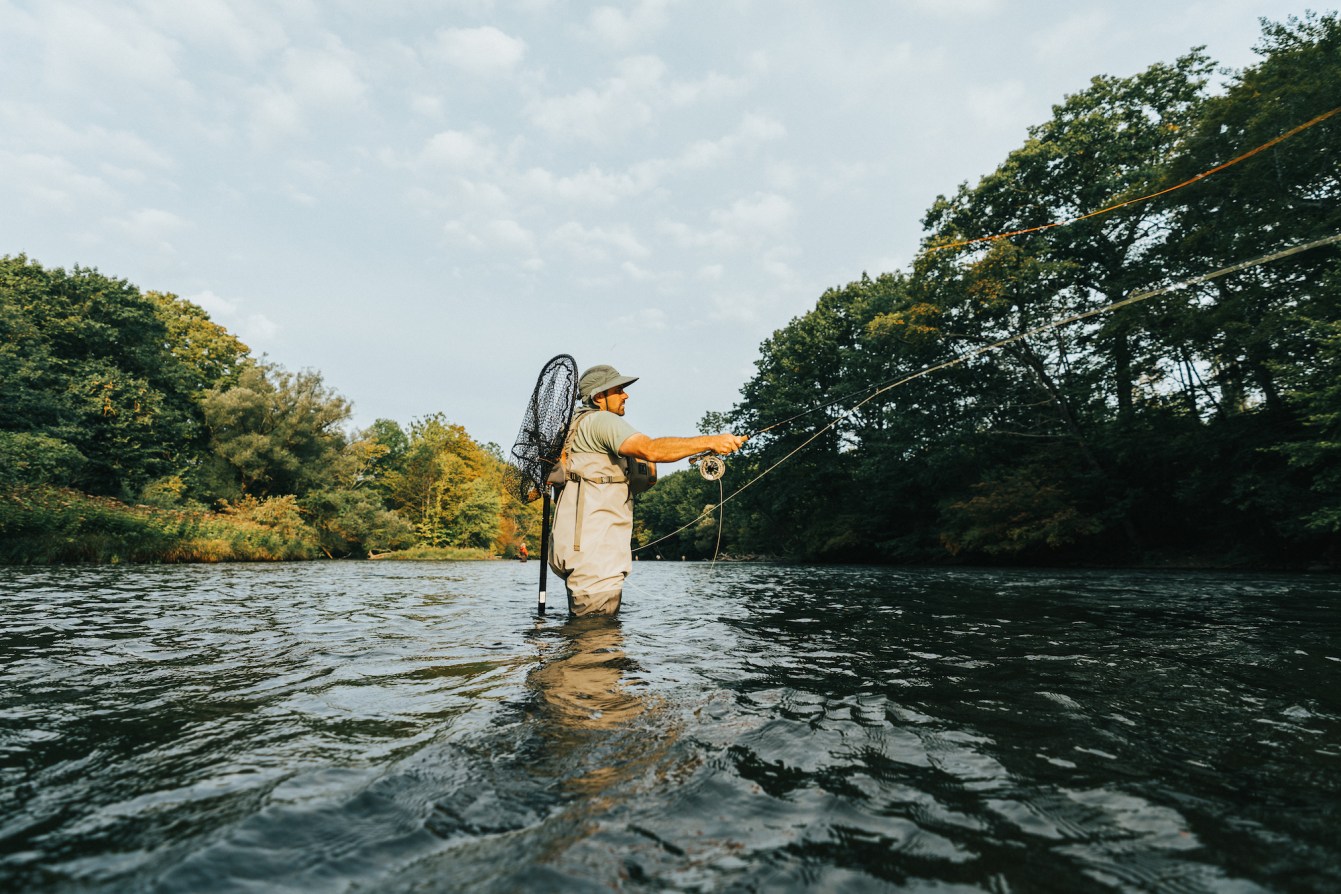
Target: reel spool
{"x": 710, "y": 466}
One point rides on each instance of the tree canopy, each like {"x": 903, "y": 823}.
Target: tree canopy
{"x": 1200, "y": 425}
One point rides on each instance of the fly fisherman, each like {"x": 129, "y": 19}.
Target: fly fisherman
{"x": 599, "y": 473}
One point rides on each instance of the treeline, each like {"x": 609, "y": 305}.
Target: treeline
{"x": 1200, "y": 426}
{"x": 134, "y": 428}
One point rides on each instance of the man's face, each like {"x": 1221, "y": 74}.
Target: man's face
{"x": 612, "y": 400}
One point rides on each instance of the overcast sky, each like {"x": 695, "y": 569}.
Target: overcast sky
{"x": 427, "y": 199}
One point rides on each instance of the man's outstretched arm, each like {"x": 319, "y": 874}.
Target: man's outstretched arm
{"x": 667, "y": 450}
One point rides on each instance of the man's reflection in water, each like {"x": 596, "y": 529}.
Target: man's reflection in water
{"x": 593, "y": 715}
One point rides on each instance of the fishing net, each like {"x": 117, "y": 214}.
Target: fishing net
{"x": 544, "y": 426}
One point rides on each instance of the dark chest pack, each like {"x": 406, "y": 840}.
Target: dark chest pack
{"x": 638, "y": 474}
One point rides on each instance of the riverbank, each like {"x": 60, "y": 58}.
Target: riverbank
{"x": 57, "y": 526}
{"x": 48, "y": 525}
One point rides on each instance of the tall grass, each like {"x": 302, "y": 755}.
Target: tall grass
{"x": 48, "y": 525}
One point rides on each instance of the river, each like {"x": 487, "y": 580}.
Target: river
{"x": 407, "y": 727}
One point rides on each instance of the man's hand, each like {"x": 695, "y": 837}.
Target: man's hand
{"x": 725, "y": 442}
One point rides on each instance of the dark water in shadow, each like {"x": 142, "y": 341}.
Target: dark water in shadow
{"x": 413, "y": 727}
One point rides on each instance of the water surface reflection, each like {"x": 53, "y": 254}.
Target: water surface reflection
{"x": 401, "y": 727}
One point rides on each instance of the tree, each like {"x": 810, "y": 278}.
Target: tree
{"x": 275, "y": 432}
{"x": 447, "y": 485}
{"x": 86, "y": 361}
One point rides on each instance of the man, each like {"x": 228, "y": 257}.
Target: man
{"x": 593, "y": 519}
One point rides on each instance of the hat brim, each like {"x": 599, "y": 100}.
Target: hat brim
{"x": 617, "y": 382}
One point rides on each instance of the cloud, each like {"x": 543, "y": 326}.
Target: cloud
{"x": 1080, "y": 35}
{"x": 999, "y": 106}
{"x": 426, "y": 106}
{"x": 312, "y": 81}
{"x": 275, "y": 115}
{"x": 597, "y": 243}
{"x": 52, "y": 183}
{"x": 746, "y": 222}
{"x": 326, "y": 77}
{"x": 36, "y": 128}
{"x": 498, "y": 234}
{"x": 623, "y": 104}
{"x": 649, "y": 319}
{"x": 957, "y": 10}
{"x": 592, "y": 186}
{"x": 152, "y": 227}
{"x": 89, "y": 46}
{"x": 482, "y": 52}
{"x": 252, "y": 328}
{"x": 620, "y": 28}
{"x": 508, "y": 233}
{"x": 457, "y": 149}
{"x": 247, "y": 30}
{"x": 753, "y": 131}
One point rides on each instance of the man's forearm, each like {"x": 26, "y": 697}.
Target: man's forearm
{"x": 666, "y": 450}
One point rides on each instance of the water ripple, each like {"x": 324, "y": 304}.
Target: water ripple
{"x": 413, "y": 727}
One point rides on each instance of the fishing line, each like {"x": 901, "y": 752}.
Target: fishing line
{"x": 1105, "y": 210}
{"x": 889, "y": 385}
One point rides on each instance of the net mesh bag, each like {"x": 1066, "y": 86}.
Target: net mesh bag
{"x": 544, "y": 426}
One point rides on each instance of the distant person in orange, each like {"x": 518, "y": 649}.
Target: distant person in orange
{"x": 522, "y": 554}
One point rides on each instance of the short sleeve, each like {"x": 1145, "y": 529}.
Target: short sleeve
{"x": 602, "y": 432}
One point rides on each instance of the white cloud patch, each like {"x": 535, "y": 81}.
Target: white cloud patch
{"x": 247, "y": 31}
{"x": 87, "y": 46}
{"x": 275, "y": 115}
{"x": 312, "y": 81}
{"x": 151, "y": 226}
{"x": 459, "y": 233}
{"x": 998, "y": 106}
{"x": 649, "y": 319}
{"x": 1080, "y": 35}
{"x": 621, "y": 27}
{"x": 595, "y": 244}
{"x": 52, "y": 183}
{"x": 509, "y": 234}
{"x": 713, "y": 87}
{"x": 482, "y": 52}
{"x": 592, "y": 186}
{"x": 326, "y": 78}
{"x": 426, "y": 106}
{"x": 621, "y": 105}
{"x": 253, "y": 328}
{"x": 458, "y": 150}
{"x": 957, "y": 10}
{"x": 746, "y": 222}
{"x": 753, "y": 131}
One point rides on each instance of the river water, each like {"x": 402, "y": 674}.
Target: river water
{"x": 399, "y": 727}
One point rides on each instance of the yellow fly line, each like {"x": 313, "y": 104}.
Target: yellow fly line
{"x": 878, "y": 390}
{"x": 1202, "y": 176}
{"x": 1130, "y": 299}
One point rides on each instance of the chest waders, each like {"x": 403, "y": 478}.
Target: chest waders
{"x": 593, "y": 527}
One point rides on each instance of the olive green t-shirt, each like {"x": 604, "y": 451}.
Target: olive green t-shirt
{"x": 601, "y": 432}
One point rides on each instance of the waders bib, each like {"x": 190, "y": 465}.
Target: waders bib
{"x": 593, "y": 527}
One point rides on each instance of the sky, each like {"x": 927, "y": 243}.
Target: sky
{"x": 425, "y": 200}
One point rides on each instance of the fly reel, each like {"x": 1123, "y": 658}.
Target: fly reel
{"x": 710, "y": 465}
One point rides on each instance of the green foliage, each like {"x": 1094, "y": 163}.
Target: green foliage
{"x": 85, "y": 361}
{"x": 277, "y": 432}
{"x": 112, "y": 392}
{"x": 680, "y": 510}
{"x": 46, "y": 525}
{"x": 451, "y": 488}
{"x": 27, "y": 458}
{"x": 1201, "y": 424}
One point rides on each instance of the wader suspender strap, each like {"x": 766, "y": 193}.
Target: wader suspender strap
{"x": 574, "y": 477}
